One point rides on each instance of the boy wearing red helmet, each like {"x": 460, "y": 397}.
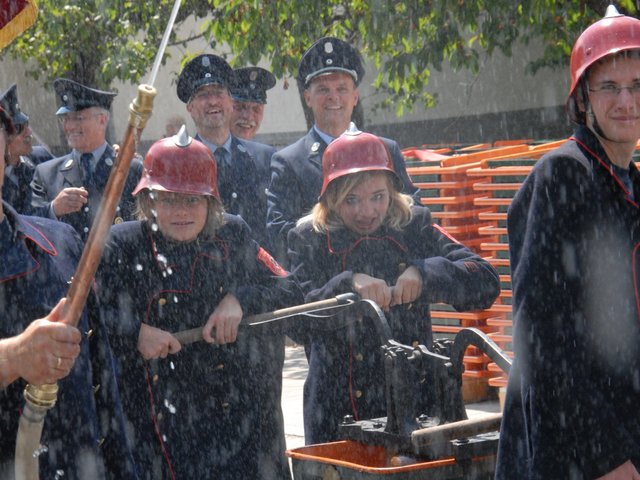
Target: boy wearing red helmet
{"x": 365, "y": 236}
{"x": 574, "y": 228}
{"x": 195, "y": 411}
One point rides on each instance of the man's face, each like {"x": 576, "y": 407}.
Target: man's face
{"x": 614, "y": 95}
{"x": 21, "y": 143}
{"x": 332, "y": 98}
{"x": 211, "y": 107}
{"x": 246, "y": 119}
{"x": 86, "y": 129}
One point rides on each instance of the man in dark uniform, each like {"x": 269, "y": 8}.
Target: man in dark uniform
{"x": 19, "y": 167}
{"x": 249, "y": 94}
{"x": 84, "y": 431}
{"x": 330, "y": 71}
{"x": 40, "y": 154}
{"x": 571, "y": 409}
{"x": 243, "y": 176}
{"x": 70, "y": 188}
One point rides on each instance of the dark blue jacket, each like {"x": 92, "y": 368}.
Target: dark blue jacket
{"x": 18, "y": 195}
{"x": 39, "y": 154}
{"x": 205, "y": 401}
{"x": 345, "y": 362}
{"x": 571, "y": 408}
{"x": 296, "y": 181}
{"x": 243, "y": 183}
{"x": 83, "y": 433}
{"x": 51, "y": 177}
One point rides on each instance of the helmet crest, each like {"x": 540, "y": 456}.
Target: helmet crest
{"x": 180, "y": 164}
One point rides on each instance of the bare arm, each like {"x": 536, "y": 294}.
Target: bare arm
{"x": 43, "y": 353}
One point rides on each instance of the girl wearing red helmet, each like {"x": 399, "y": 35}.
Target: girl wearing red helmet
{"x": 194, "y": 410}
{"x": 574, "y": 232}
{"x": 365, "y": 236}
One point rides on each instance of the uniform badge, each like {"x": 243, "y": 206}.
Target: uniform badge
{"x": 68, "y": 164}
{"x": 108, "y": 161}
{"x": 268, "y": 261}
{"x": 118, "y": 220}
{"x": 315, "y": 146}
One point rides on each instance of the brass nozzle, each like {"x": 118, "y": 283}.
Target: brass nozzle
{"x": 42, "y": 396}
{"x": 142, "y": 106}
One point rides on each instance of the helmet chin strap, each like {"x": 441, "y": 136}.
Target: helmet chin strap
{"x": 594, "y": 122}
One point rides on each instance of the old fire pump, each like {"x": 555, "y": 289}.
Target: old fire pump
{"x": 440, "y": 444}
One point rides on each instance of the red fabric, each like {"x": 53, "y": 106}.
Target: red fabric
{"x": 9, "y": 9}
{"x": 270, "y": 262}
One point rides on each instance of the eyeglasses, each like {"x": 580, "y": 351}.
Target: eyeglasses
{"x": 179, "y": 201}
{"x": 76, "y": 117}
{"x": 613, "y": 89}
{"x": 212, "y": 93}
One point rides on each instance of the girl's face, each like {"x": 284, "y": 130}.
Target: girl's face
{"x": 365, "y": 207}
{"x": 181, "y": 217}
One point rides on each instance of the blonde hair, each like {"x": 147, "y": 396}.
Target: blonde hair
{"x": 215, "y": 211}
{"x": 324, "y": 215}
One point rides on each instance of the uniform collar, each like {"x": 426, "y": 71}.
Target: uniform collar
{"x": 97, "y": 153}
{"x": 326, "y": 138}
{"x": 169, "y": 254}
{"x": 588, "y": 141}
{"x": 213, "y": 147}
{"x": 17, "y": 257}
{"x": 343, "y": 240}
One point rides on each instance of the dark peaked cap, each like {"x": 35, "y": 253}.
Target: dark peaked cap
{"x": 73, "y": 97}
{"x": 330, "y": 55}
{"x": 203, "y": 70}
{"x": 9, "y": 102}
{"x": 251, "y": 84}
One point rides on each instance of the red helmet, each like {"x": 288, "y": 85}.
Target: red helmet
{"x": 180, "y": 164}
{"x": 614, "y": 33}
{"x": 354, "y": 152}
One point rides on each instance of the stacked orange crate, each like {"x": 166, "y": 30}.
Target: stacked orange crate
{"x": 450, "y": 193}
{"x": 506, "y": 173}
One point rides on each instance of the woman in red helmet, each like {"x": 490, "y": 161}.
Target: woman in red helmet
{"x": 194, "y": 410}
{"x": 571, "y": 409}
{"x": 365, "y": 236}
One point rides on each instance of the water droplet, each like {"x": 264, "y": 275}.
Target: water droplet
{"x": 171, "y": 408}
{"x": 40, "y": 450}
